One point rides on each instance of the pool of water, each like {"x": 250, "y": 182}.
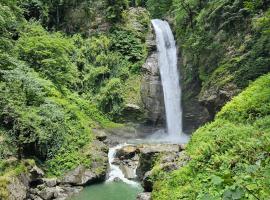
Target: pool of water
{"x": 109, "y": 191}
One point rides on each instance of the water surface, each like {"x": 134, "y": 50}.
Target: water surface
{"x": 109, "y": 191}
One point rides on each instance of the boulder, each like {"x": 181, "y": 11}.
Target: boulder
{"x": 36, "y": 173}
{"x": 128, "y": 172}
{"x": 144, "y": 196}
{"x": 80, "y": 177}
{"x": 127, "y": 152}
{"x": 50, "y": 182}
{"x": 47, "y": 193}
{"x": 100, "y": 135}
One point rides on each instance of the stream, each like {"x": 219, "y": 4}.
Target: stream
{"x": 116, "y": 187}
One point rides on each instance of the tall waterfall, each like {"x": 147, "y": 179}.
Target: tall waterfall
{"x": 167, "y": 60}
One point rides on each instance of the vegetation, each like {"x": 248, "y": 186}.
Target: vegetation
{"x": 230, "y": 156}
{"x": 55, "y": 88}
{"x": 67, "y": 67}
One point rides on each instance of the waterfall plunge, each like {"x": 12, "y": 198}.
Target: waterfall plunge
{"x": 167, "y": 59}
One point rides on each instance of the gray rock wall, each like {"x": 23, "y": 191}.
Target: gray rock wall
{"x": 151, "y": 88}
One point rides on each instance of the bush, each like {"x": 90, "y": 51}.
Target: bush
{"x": 49, "y": 54}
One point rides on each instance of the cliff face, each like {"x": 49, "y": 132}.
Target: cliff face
{"x": 224, "y": 45}
{"x": 151, "y": 88}
{"x": 194, "y": 113}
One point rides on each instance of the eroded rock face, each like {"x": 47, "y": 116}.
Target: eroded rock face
{"x": 96, "y": 172}
{"x": 194, "y": 113}
{"x": 215, "y": 98}
{"x": 151, "y": 88}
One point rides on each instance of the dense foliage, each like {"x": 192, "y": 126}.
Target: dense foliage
{"x": 68, "y": 66}
{"x": 55, "y": 88}
{"x": 230, "y": 156}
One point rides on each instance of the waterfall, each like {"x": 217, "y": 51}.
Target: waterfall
{"x": 167, "y": 60}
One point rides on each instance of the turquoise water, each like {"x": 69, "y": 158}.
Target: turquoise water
{"x": 109, "y": 191}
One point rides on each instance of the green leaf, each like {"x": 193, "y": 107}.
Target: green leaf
{"x": 216, "y": 180}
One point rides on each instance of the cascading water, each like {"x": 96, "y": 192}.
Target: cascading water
{"x": 115, "y": 172}
{"x": 167, "y": 60}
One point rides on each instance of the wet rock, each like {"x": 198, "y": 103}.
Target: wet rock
{"x": 117, "y": 179}
{"x": 144, "y": 196}
{"x": 127, "y": 152}
{"x": 68, "y": 191}
{"x": 151, "y": 41}
{"x": 128, "y": 172}
{"x": 147, "y": 182}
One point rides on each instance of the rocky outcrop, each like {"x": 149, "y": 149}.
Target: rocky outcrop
{"x": 32, "y": 185}
{"x": 151, "y": 88}
{"x": 214, "y": 98}
{"x": 141, "y": 158}
{"x": 149, "y": 153}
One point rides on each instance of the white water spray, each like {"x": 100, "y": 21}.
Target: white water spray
{"x": 167, "y": 60}
{"x": 115, "y": 171}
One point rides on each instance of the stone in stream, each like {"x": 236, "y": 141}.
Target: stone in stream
{"x": 127, "y": 152}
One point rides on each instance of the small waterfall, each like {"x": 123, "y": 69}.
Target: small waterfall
{"x": 167, "y": 59}
{"x": 115, "y": 172}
